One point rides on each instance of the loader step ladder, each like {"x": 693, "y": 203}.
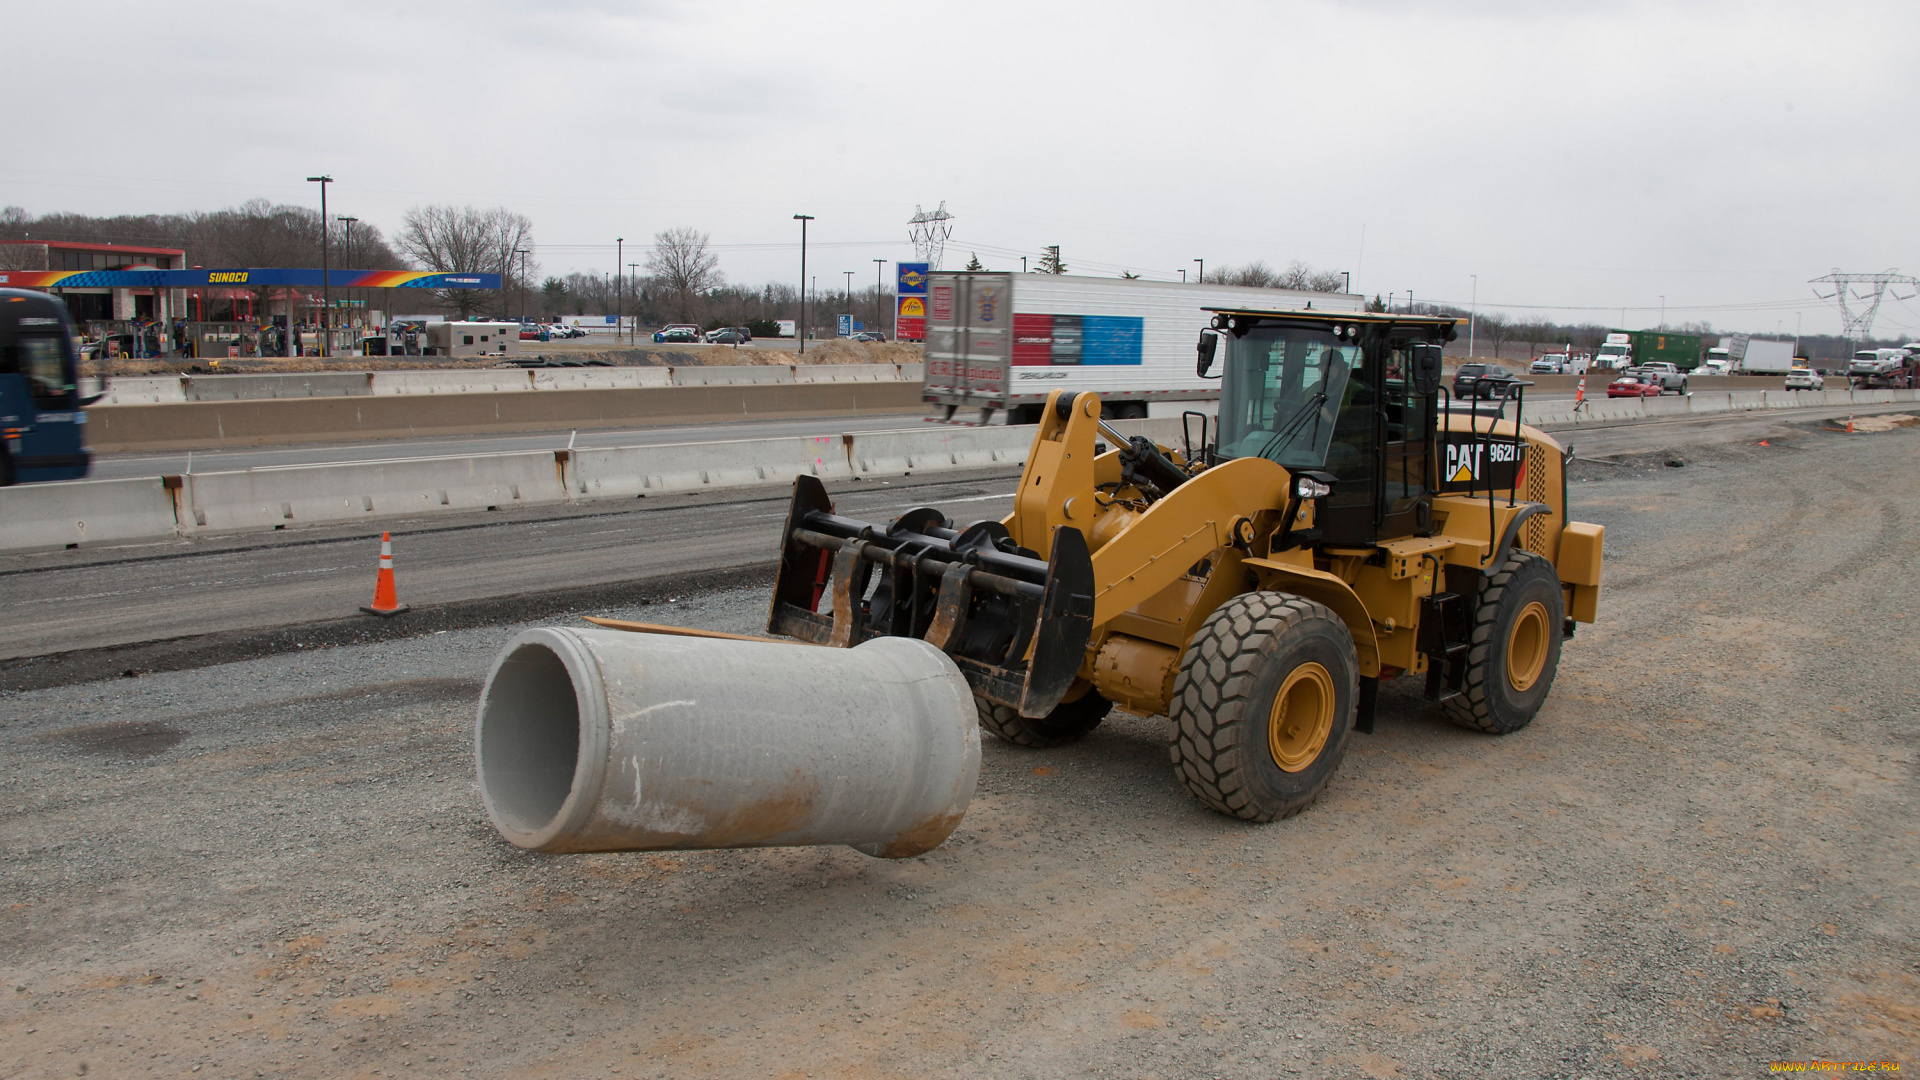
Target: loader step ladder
{"x": 1445, "y": 638}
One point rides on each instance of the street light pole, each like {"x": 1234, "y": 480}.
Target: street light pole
{"x": 634, "y": 338}
{"x": 1663, "y": 313}
{"x": 879, "y": 265}
{"x": 619, "y": 308}
{"x": 326, "y": 279}
{"x": 522, "y": 252}
{"x": 347, "y": 257}
{"x": 800, "y": 331}
{"x": 1346, "y": 282}
{"x": 1473, "y": 313}
{"x": 1202, "y": 279}
{"x": 849, "y": 274}
{"x": 1183, "y": 275}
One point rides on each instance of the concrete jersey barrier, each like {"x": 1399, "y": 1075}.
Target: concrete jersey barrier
{"x": 36, "y": 517}
{"x": 275, "y": 498}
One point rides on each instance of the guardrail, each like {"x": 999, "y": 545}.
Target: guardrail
{"x": 176, "y": 389}
{"x": 90, "y": 512}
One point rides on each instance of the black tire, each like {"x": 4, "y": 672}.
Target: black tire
{"x": 1227, "y": 734}
{"x": 1499, "y": 698}
{"x": 1068, "y": 721}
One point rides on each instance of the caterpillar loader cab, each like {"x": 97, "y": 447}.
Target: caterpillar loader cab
{"x": 1341, "y": 524}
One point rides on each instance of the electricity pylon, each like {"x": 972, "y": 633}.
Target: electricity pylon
{"x": 1857, "y": 326}
{"x": 929, "y": 233}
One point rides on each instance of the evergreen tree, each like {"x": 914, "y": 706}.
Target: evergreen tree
{"x": 1050, "y": 262}
{"x": 974, "y": 262}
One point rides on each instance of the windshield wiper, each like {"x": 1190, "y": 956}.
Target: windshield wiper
{"x": 1285, "y": 434}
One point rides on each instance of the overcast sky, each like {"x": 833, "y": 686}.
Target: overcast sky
{"x": 1595, "y": 156}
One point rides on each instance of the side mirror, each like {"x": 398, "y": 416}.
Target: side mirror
{"x": 1209, "y": 345}
{"x": 1426, "y": 360}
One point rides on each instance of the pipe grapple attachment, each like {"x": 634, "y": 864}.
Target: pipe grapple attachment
{"x": 1015, "y": 624}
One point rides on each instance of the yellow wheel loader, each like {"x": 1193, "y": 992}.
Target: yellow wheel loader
{"x": 1342, "y": 522}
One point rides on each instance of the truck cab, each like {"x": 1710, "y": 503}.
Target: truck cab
{"x": 1615, "y": 355}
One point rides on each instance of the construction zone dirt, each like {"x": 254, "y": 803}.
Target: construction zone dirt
{"x": 1700, "y": 859}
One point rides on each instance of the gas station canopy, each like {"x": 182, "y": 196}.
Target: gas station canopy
{"x": 244, "y": 279}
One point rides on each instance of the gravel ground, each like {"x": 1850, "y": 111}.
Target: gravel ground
{"x": 1699, "y": 859}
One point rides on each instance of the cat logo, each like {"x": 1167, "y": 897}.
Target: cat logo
{"x": 1461, "y": 461}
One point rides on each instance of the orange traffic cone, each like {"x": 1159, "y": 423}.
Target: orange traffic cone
{"x": 1849, "y": 423}
{"x": 386, "y": 601}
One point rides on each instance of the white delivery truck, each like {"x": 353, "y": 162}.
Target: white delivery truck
{"x": 1004, "y": 341}
{"x": 1766, "y": 358}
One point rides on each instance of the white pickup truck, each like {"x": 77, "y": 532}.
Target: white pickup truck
{"x": 1671, "y": 378}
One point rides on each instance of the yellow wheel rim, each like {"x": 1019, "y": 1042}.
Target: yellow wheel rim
{"x": 1302, "y": 717}
{"x": 1527, "y": 647}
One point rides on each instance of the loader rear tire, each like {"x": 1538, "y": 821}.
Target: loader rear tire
{"x": 1515, "y": 648}
{"x": 1068, "y": 721}
{"x": 1263, "y": 705}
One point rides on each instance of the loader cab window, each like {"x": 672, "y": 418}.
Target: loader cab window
{"x": 1405, "y": 413}
{"x": 1286, "y": 388}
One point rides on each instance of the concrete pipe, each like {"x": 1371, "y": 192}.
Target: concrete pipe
{"x": 605, "y": 740}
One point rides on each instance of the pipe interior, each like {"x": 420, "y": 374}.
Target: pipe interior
{"x": 529, "y": 738}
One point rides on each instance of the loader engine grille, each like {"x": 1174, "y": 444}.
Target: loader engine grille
{"x": 1534, "y": 531}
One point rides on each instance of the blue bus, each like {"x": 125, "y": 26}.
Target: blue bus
{"x": 43, "y": 432}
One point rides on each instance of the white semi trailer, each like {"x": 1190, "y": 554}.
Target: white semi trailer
{"x": 1766, "y": 358}
{"x": 1004, "y": 341}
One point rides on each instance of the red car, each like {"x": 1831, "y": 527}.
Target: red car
{"x": 1640, "y": 386}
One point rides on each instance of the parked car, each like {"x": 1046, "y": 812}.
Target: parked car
{"x": 1668, "y": 376}
{"x": 691, "y": 330}
{"x": 1482, "y": 381}
{"x": 1802, "y": 379}
{"x": 868, "y": 335}
{"x": 726, "y": 335}
{"x": 1635, "y": 386}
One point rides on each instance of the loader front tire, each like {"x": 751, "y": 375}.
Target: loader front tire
{"x": 1515, "y": 647}
{"x": 1263, "y": 705}
{"x": 1068, "y": 721}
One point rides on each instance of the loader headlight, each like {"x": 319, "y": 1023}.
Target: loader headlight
{"x": 1308, "y": 488}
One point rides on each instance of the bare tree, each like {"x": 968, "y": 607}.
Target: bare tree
{"x": 23, "y": 256}
{"x": 684, "y": 268}
{"x": 1256, "y": 274}
{"x": 1494, "y": 327}
{"x": 1297, "y": 275}
{"x": 466, "y": 240}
